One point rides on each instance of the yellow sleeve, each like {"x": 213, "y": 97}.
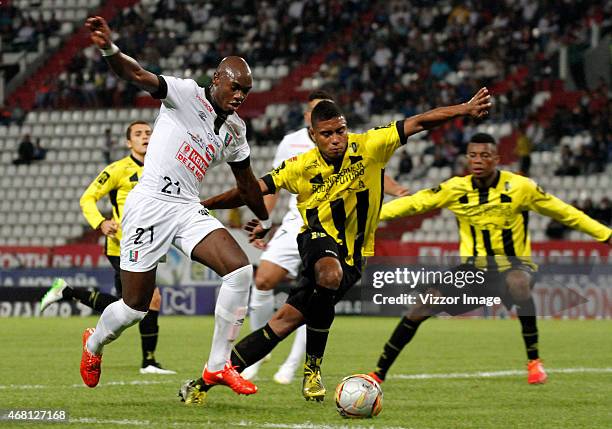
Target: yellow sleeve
{"x": 102, "y": 185}
{"x": 382, "y": 142}
{"x": 421, "y": 202}
{"x": 287, "y": 176}
{"x": 551, "y": 206}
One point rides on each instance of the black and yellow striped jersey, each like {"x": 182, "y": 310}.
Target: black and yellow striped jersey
{"x": 116, "y": 180}
{"x": 494, "y": 221}
{"x": 342, "y": 200}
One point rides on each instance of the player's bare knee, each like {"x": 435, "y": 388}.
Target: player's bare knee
{"x": 285, "y": 321}
{"x": 519, "y": 285}
{"x": 329, "y": 278}
{"x": 136, "y": 302}
{"x": 263, "y": 282}
{"x": 422, "y": 310}
{"x": 155, "y": 301}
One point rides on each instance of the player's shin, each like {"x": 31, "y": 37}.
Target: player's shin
{"x": 526, "y": 313}
{"x": 116, "y": 318}
{"x": 401, "y": 336}
{"x": 149, "y": 330}
{"x": 254, "y": 347}
{"x": 319, "y": 317}
{"x": 230, "y": 311}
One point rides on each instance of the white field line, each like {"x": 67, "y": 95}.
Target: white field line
{"x": 494, "y": 374}
{"x": 426, "y": 376}
{"x": 241, "y": 423}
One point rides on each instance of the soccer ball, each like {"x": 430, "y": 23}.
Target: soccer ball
{"x": 359, "y": 396}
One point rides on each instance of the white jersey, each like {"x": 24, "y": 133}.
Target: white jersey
{"x": 291, "y": 145}
{"x": 186, "y": 142}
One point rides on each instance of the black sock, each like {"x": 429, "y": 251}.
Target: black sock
{"x": 401, "y": 336}
{"x": 254, "y": 347}
{"x": 149, "y": 329}
{"x": 319, "y": 316}
{"x": 94, "y": 299}
{"x": 526, "y": 314}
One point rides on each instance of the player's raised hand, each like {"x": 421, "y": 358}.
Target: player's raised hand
{"x": 255, "y": 230}
{"x": 100, "y": 31}
{"x": 480, "y": 103}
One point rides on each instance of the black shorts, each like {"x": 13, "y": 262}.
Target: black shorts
{"x": 493, "y": 285}
{"x": 312, "y": 247}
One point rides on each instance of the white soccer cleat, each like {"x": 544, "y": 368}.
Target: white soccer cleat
{"x": 282, "y": 377}
{"x": 250, "y": 373}
{"x": 54, "y": 294}
{"x": 156, "y": 369}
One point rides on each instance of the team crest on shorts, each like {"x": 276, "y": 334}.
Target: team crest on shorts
{"x": 133, "y": 256}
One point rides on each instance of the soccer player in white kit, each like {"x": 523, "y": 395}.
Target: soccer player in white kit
{"x": 196, "y": 129}
{"x": 281, "y": 256}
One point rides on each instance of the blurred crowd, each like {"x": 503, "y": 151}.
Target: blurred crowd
{"x": 286, "y": 32}
{"x": 404, "y": 57}
{"x": 21, "y": 31}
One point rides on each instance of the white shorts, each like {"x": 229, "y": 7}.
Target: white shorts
{"x": 282, "y": 250}
{"x": 151, "y": 225}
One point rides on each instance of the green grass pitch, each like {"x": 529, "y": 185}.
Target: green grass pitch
{"x": 39, "y": 368}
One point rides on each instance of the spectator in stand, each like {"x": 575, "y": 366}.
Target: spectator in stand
{"x": 523, "y": 149}
{"x": 405, "y": 165}
{"x": 25, "y": 151}
{"x": 569, "y": 164}
{"x": 40, "y": 153}
{"x": 603, "y": 213}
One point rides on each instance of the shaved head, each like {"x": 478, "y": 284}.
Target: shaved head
{"x": 231, "y": 83}
{"x": 234, "y": 67}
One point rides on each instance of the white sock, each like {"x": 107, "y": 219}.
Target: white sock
{"x": 298, "y": 349}
{"x": 262, "y": 307}
{"x": 115, "y": 319}
{"x": 230, "y": 311}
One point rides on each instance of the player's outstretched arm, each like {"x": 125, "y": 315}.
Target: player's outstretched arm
{"x": 230, "y": 199}
{"x": 250, "y": 190}
{"x": 551, "y": 206}
{"x": 124, "y": 66}
{"x": 477, "y": 107}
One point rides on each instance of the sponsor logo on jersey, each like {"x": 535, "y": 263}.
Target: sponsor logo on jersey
{"x": 103, "y": 178}
{"x": 192, "y": 160}
{"x": 202, "y": 114}
{"x": 196, "y": 139}
{"x": 313, "y": 164}
{"x": 204, "y": 211}
{"x": 213, "y": 140}
{"x": 205, "y": 103}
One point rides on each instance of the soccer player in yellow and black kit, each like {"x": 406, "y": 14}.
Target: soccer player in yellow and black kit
{"x": 116, "y": 181}
{"x": 339, "y": 187}
{"x": 492, "y": 209}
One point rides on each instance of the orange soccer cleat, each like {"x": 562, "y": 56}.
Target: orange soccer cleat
{"x": 535, "y": 372}
{"x": 228, "y": 376}
{"x": 90, "y": 363}
{"x": 376, "y": 377}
